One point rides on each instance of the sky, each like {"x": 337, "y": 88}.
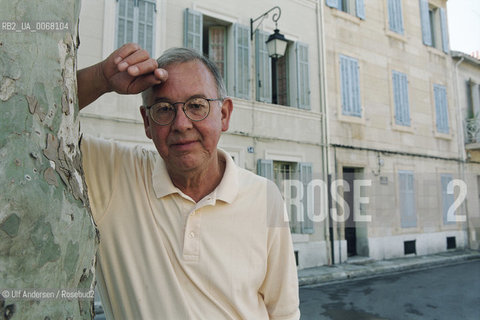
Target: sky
{"x": 464, "y": 25}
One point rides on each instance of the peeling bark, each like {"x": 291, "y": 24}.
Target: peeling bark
{"x": 47, "y": 236}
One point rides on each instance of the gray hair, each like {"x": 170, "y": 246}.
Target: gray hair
{"x": 181, "y": 55}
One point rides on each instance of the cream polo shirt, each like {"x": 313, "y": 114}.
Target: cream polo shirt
{"x": 163, "y": 256}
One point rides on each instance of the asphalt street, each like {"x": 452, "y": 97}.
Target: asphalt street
{"x": 449, "y": 292}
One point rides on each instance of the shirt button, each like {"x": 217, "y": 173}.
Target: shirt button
{"x": 192, "y": 235}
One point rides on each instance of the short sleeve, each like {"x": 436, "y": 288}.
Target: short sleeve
{"x": 280, "y": 287}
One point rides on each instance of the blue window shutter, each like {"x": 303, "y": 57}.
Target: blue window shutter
{"x": 242, "y": 55}
{"x": 265, "y": 168}
{"x": 395, "y": 16}
{"x": 350, "y": 86}
{"x": 447, "y": 199}
{"x": 441, "y": 108}
{"x": 443, "y": 25}
{"x": 360, "y": 9}
{"x": 425, "y": 20}
{"x": 332, "y": 3}
{"x": 408, "y": 215}
{"x": 193, "y": 30}
{"x": 305, "y": 178}
{"x": 401, "y": 101}
{"x": 263, "y": 67}
{"x": 303, "y": 78}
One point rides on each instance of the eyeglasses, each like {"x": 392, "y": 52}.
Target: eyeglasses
{"x": 196, "y": 109}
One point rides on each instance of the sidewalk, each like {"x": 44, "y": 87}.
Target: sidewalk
{"x": 359, "y": 267}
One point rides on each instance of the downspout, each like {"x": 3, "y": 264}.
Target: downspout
{"x": 322, "y": 75}
{"x": 461, "y": 140}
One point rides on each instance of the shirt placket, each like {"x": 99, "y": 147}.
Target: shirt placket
{"x": 192, "y": 236}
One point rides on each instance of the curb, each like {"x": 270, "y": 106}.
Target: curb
{"x": 347, "y": 271}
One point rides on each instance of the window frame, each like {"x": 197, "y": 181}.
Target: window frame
{"x": 135, "y": 20}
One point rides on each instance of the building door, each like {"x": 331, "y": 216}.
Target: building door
{"x": 350, "y": 228}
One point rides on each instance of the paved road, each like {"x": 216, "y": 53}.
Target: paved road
{"x": 450, "y": 293}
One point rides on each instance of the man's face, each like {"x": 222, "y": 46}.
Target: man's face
{"x": 188, "y": 145}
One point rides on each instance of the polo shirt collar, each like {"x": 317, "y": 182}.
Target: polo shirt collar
{"x": 226, "y": 190}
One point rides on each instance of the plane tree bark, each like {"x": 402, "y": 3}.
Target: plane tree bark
{"x": 47, "y": 236}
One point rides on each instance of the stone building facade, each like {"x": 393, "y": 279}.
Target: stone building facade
{"x": 361, "y": 105}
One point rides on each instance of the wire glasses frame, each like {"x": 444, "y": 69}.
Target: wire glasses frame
{"x": 164, "y": 113}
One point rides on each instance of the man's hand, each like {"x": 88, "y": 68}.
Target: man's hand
{"x": 128, "y": 70}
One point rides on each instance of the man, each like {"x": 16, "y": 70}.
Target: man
{"x": 187, "y": 235}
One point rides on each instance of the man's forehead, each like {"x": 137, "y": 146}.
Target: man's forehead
{"x": 183, "y": 73}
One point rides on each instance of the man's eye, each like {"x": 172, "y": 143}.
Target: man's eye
{"x": 196, "y": 106}
{"x": 163, "y": 109}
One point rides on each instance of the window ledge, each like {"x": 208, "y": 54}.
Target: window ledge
{"x": 351, "y": 119}
{"x": 400, "y": 128}
{"x": 437, "y": 52}
{"x": 396, "y": 36}
{"x": 444, "y": 136}
{"x": 346, "y": 16}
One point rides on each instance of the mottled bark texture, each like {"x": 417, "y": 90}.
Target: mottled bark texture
{"x": 47, "y": 236}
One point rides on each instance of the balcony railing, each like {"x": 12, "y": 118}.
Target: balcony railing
{"x": 472, "y": 130}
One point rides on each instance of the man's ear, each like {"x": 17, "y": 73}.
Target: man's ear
{"x": 227, "y": 109}
{"x": 146, "y": 121}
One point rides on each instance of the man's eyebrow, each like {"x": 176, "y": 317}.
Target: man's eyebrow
{"x": 165, "y": 99}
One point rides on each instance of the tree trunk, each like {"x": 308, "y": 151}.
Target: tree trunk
{"x": 47, "y": 236}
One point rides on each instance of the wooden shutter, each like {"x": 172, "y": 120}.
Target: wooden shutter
{"x": 360, "y": 5}
{"x": 265, "y": 168}
{"x": 303, "y": 81}
{"x": 263, "y": 67}
{"x": 408, "y": 216}
{"x": 193, "y": 29}
{"x": 305, "y": 178}
{"x": 350, "y": 86}
{"x": 332, "y": 3}
{"x": 441, "y": 108}
{"x": 443, "y": 27}
{"x": 395, "y": 16}
{"x": 401, "y": 101}
{"x": 242, "y": 54}
{"x": 425, "y": 20}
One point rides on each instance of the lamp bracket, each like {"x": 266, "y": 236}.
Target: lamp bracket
{"x": 275, "y": 18}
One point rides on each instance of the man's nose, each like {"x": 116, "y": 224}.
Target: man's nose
{"x": 181, "y": 121}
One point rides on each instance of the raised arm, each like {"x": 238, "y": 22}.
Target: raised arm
{"x": 128, "y": 70}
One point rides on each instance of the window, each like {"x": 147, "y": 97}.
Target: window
{"x": 300, "y": 172}
{"x": 353, "y": 7}
{"x": 434, "y": 26}
{"x": 350, "y": 87}
{"x": 406, "y": 188}
{"x": 395, "y": 16}
{"x": 210, "y": 37}
{"x": 136, "y": 23}
{"x": 274, "y": 84}
{"x": 400, "y": 94}
{"x": 441, "y": 108}
{"x": 472, "y": 122}
{"x": 447, "y": 198}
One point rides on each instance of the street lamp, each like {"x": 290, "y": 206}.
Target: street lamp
{"x": 276, "y": 43}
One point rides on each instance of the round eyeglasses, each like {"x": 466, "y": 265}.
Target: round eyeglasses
{"x": 196, "y": 109}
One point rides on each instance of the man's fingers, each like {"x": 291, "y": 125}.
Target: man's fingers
{"x": 142, "y": 68}
{"x": 125, "y": 51}
{"x": 135, "y": 58}
{"x": 144, "y": 82}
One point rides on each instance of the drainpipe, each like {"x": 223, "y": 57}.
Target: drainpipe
{"x": 322, "y": 75}
{"x": 461, "y": 139}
